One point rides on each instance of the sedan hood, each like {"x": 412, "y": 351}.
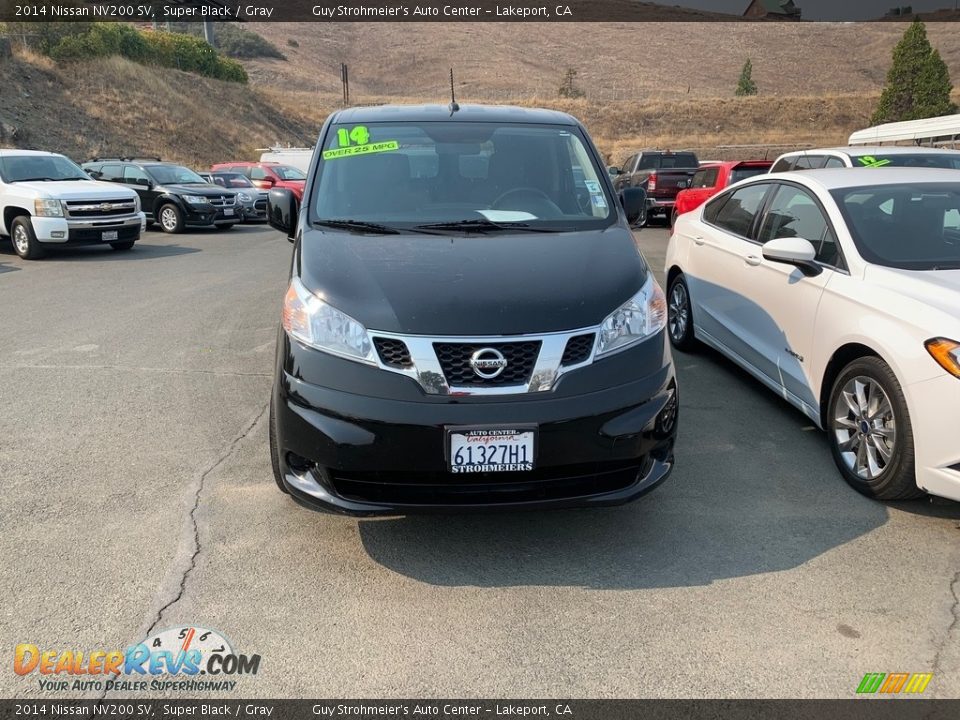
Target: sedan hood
{"x": 939, "y": 289}
{"x": 493, "y": 284}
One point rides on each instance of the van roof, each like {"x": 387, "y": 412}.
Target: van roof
{"x": 466, "y": 113}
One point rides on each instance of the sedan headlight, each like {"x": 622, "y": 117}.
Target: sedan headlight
{"x": 47, "y": 207}
{"x": 946, "y": 353}
{"x": 643, "y": 315}
{"x": 243, "y": 197}
{"x": 313, "y": 322}
{"x": 195, "y": 199}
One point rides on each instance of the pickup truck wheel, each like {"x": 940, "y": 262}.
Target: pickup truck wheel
{"x": 171, "y": 219}
{"x": 128, "y": 245}
{"x": 25, "y": 241}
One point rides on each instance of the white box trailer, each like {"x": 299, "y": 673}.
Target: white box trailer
{"x": 295, "y": 157}
{"x": 940, "y": 131}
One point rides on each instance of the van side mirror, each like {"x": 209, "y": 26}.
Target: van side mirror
{"x": 282, "y": 211}
{"x": 634, "y": 201}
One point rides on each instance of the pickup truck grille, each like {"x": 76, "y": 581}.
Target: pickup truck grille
{"x": 99, "y": 208}
{"x": 223, "y": 200}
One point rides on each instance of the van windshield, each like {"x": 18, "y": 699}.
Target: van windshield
{"x": 408, "y": 174}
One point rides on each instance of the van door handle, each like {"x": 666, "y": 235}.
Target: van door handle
{"x": 698, "y": 240}
{"x": 753, "y": 260}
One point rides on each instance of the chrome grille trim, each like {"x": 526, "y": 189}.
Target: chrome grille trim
{"x": 426, "y": 370}
{"x": 89, "y": 209}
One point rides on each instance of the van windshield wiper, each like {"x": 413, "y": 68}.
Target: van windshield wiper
{"x": 484, "y": 225}
{"x": 359, "y": 226}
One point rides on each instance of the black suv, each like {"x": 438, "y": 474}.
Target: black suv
{"x": 170, "y": 194}
{"x": 469, "y": 321}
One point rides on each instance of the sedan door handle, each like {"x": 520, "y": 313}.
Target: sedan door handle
{"x": 699, "y": 240}
{"x": 753, "y": 260}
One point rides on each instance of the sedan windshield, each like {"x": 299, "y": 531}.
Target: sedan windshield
{"x": 913, "y": 227}
{"x": 285, "y": 172}
{"x": 235, "y": 180}
{"x": 460, "y": 176}
{"x": 174, "y": 175}
{"x": 20, "y": 168}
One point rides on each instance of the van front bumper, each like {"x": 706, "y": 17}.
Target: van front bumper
{"x": 360, "y": 454}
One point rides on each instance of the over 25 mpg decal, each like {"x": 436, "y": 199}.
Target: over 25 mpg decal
{"x": 188, "y": 659}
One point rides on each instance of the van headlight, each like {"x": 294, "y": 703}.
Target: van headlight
{"x": 311, "y": 321}
{"x": 643, "y": 315}
{"x": 47, "y": 207}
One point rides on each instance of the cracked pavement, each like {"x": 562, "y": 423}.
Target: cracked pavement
{"x": 137, "y": 495}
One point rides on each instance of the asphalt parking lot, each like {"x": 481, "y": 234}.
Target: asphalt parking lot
{"x": 137, "y": 495}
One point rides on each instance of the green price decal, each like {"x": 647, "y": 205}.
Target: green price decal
{"x": 871, "y": 161}
{"x": 358, "y": 135}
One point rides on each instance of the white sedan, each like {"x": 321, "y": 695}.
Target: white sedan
{"x": 840, "y": 291}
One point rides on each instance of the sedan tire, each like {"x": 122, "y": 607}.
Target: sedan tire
{"x": 680, "y": 315}
{"x": 871, "y": 437}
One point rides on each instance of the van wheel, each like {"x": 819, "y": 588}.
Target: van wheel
{"x": 25, "y": 242}
{"x": 275, "y": 453}
{"x": 127, "y": 245}
{"x": 871, "y": 437}
{"x": 680, "y": 315}
{"x": 171, "y": 219}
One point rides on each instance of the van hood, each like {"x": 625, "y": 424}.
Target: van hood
{"x": 75, "y": 189}
{"x": 492, "y": 284}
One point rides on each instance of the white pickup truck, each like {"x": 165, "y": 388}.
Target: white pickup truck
{"x": 47, "y": 200}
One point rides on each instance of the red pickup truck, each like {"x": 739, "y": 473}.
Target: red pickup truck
{"x": 711, "y": 178}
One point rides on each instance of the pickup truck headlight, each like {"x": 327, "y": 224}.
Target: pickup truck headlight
{"x": 195, "y": 199}
{"x": 136, "y": 203}
{"x": 643, "y": 315}
{"x": 47, "y": 207}
{"x": 311, "y": 321}
{"x": 946, "y": 353}
{"x": 243, "y": 197}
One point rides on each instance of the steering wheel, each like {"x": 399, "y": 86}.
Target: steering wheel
{"x": 533, "y": 193}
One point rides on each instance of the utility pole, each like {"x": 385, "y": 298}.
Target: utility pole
{"x": 208, "y": 33}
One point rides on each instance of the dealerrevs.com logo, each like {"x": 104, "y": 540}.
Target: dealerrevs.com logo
{"x": 187, "y": 658}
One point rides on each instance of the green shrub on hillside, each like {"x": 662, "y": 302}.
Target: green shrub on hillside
{"x": 234, "y": 41}
{"x": 84, "y": 41}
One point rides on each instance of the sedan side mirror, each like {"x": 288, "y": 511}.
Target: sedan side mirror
{"x": 282, "y": 211}
{"x": 794, "y": 251}
{"x": 634, "y": 201}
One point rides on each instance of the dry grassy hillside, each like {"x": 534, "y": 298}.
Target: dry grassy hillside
{"x": 114, "y": 106}
{"x": 615, "y": 61}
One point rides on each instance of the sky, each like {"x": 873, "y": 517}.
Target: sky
{"x": 822, "y": 9}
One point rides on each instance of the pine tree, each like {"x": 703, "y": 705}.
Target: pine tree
{"x": 568, "y": 88}
{"x": 918, "y": 82}
{"x": 746, "y": 85}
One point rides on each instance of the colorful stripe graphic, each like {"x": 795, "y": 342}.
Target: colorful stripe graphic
{"x": 893, "y": 683}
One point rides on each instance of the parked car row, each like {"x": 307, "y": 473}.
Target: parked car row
{"x": 48, "y": 200}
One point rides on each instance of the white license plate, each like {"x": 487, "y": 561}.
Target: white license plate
{"x": 228, "y": 212}
{"x": 474, "y": 450}
{"x": 108, "y": 235}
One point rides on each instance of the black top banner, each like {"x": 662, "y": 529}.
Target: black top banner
{"x": 163, "y": 11}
